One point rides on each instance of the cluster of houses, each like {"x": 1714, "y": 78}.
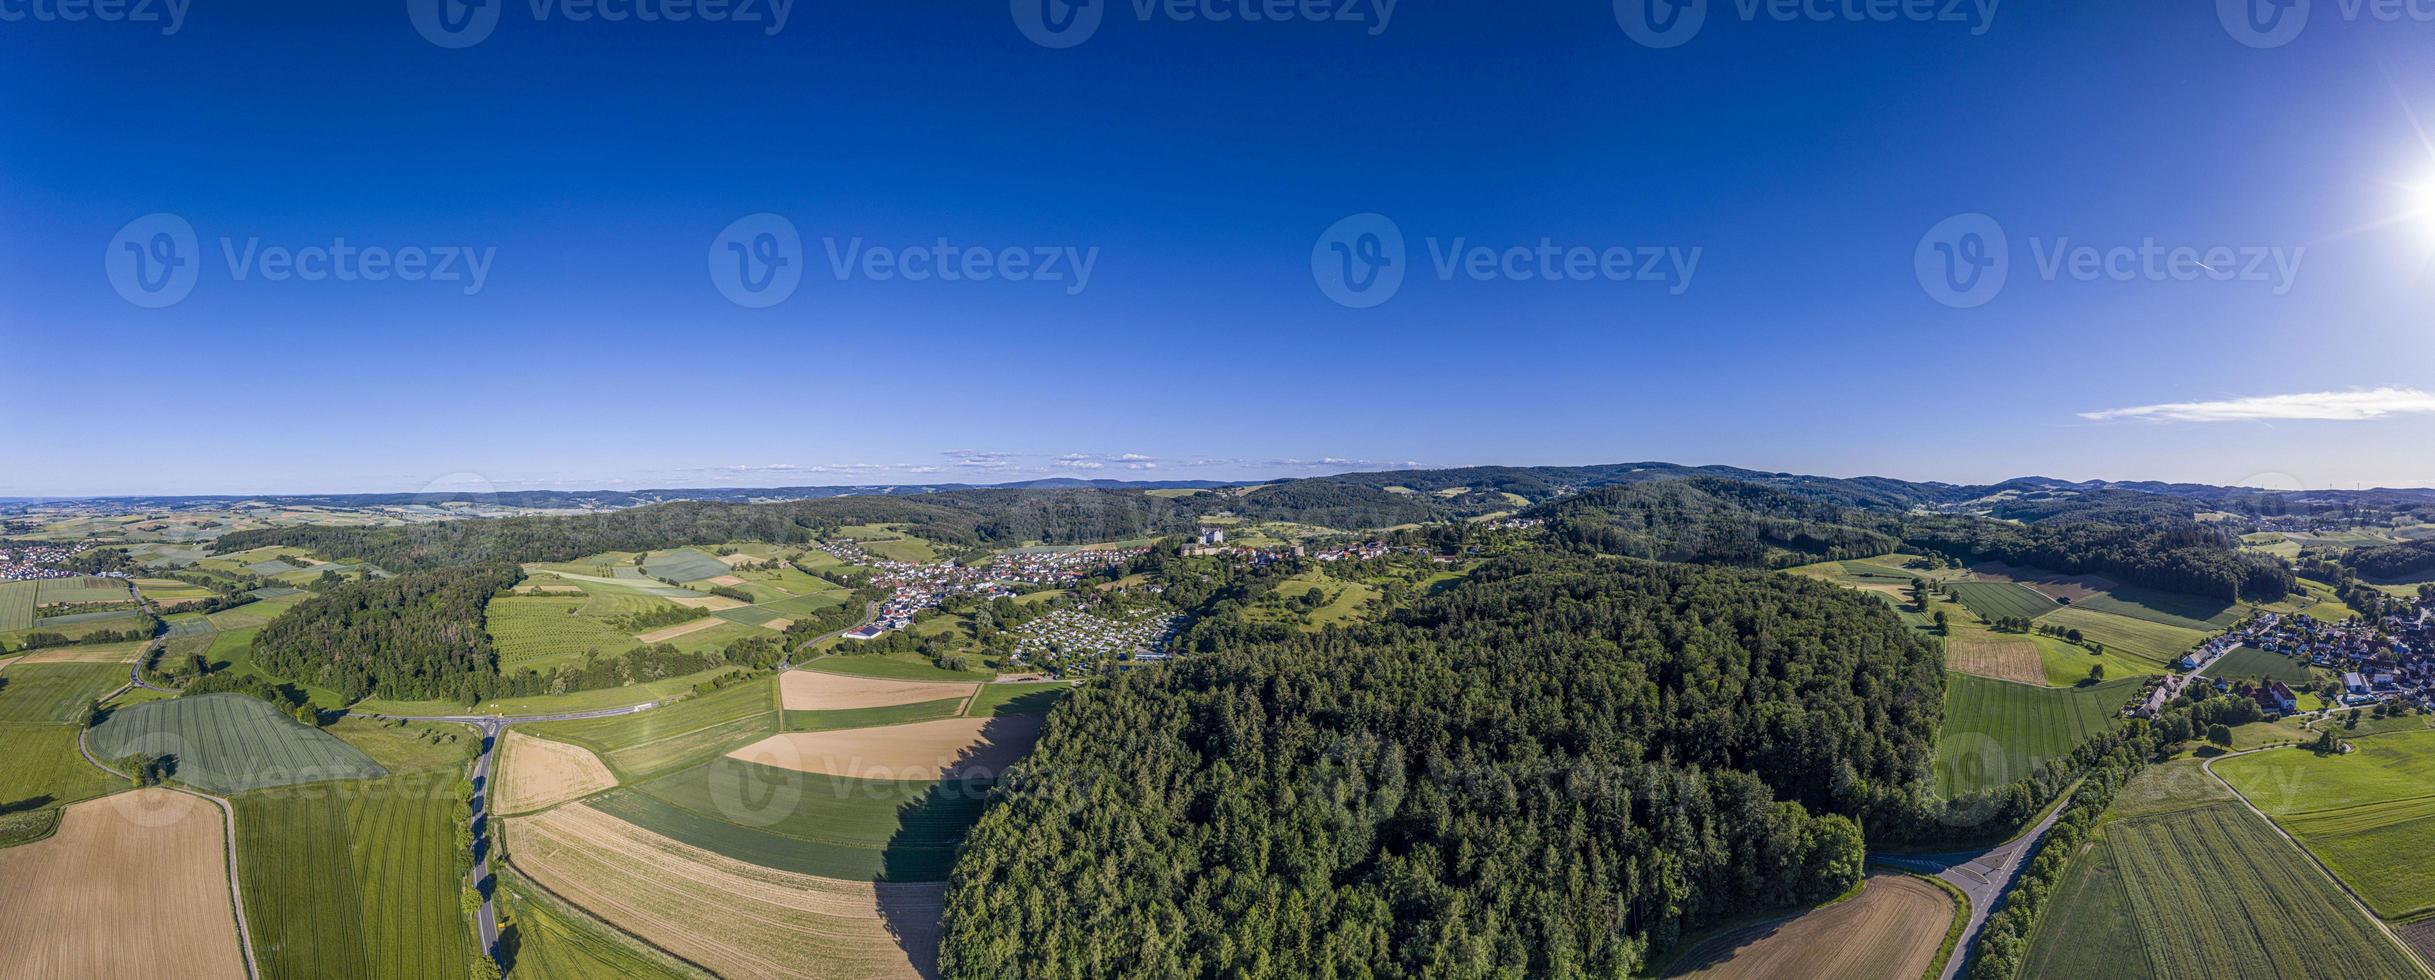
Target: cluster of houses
{"x": 25, "y": 560}
{"x": 2388, "y": 660}
{"x": 914, "y": 587}
{"x": 1072, "y": 637}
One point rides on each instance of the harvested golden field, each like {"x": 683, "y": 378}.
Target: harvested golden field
{"x": 2005, "y": 658}
{"x": 714, "y": 603}
{"x": 951, "y": 748}
{"x": 132, "y": 885}
{"x": 737, "y": 919}
{"x": 680, "y": 629}
{"x": 1891, "y": 929}
{"x": 100, "y": 653}
{"x": 728, "y": 580}
{"x": 809, "y": 690}
{"x": 536, "y": 773}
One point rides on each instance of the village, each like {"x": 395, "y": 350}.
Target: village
{"x": 2392, "y": 660}
{"x": 28, "y": 560}
{"x": 914, "y": 587}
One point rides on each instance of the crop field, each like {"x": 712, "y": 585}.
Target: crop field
{"x": 16, "y": 605}
{"x": 230, "y": 743}
{"x": 909, "y": 667}
{"x": 2367, "y": 814}
{"x": 2006, "y": 657}
{"x": 2258, "y": 665}
{"x": 355, "y": 879}
{"x": 169, "y": 590}
{"x": 683, "y": 565}
{"x": 2169, "y": 608}
{"x": 257, "y": 613}
{"x": 554, "y": 942}
{"x": 689, "y": 730}
{"x": 54, "y": 694}
{"x": 123, "y": 652}
{"x": 834, "y": 827}
{"x": 1991, "y": 600}
{"x": 41, "y": 767}
{"x": 2156, "y": 642}
{"x": 805, "y": 690}
{"x": 1891, "y": 929}
{"x": 2214, "y": 892}
{"x": 790, "y": 580}
{"x": 135, "y": 885}
{"x": 1996, "y": 731}
{"x": 116, "y": 618}
{"x": 926, "y": 750}
{"x": 894, "y": 714}
{"x": 752, "y": 616}
{"x": 715, "y": 637}
{"x": 735, "y": 918}
{"x": 805, "y": 605}
{"x": 541, "y": 632}
{"x": 84, "y": 589}
{"x": 535, "y": 773}
{"x": 1017, "y": 699}
{"x": 2067, "y": 663}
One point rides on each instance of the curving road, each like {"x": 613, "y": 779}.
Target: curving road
{"x": 1983, "y": 875}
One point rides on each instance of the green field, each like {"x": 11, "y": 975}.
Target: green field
{"x": 81, "y": 589}
{"x": 542, "y": 632}
{"x": 894, "y": 666}
{"x": 55, "y": 694}
{"x": 1017, "y": 699}
{"x": 42, "y": 768}
{"x": 1997, "y": 731}
{"x": 2067, "y": 664}
{"x": 230, "y": 743}
{"x": 648, "y": 742}
{"x": 2210, "y": 891}
{"x": 1991, "y": 600}
{"x": 551, "y": 941}
{"x": 257, "y": 613}
{"x": 2156, "y": 642}
{"x": 16, "y": 605}
{"x": 2168, "y": 608}
{"x": 683, "y": 565}
{"x": 834, "y": 827}
{"x": 806, "y": 605}
{"x": 355, "y": 879}
{"x": 2367, "y": 814}
{"x": 895, "y": 714}
{"x": 2254, "y": 664}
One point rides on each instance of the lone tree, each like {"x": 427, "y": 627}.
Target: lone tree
{"x": 2220, "y": 734}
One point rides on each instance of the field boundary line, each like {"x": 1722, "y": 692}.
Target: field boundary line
{"x": 508, "y": 863}
{"x": 2313, "y": 861}
{"x": 228, "y": 830}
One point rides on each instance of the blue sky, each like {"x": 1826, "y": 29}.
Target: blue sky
{"x": 1740, "y": 221}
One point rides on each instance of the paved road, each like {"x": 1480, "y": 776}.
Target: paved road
{"x": 2355, "y": 901}
{"x": 491, "y": 727}
{"x": 1982, "y": 875}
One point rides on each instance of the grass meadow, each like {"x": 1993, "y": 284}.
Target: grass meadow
{"x": 1997, "y": 731}
{"x": 1992, "y": 600}
{"x": 2158, "y": 643}
{"x": 2367, "y": 814}
{"x": 355, "y": 879}
{"x": 55, "y": 694}
{"x": 808, "y": 823}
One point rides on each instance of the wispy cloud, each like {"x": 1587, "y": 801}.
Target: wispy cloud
{"x": 2331, "y": 406}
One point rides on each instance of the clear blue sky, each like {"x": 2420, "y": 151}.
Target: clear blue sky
{"x": 595, "y": 163}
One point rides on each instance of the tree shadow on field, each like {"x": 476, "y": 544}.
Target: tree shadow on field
{"x": 29, "y": 803}
{"x": 930, "y": 829}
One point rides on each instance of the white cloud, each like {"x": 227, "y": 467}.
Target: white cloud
{"x": 2332, "y": 406}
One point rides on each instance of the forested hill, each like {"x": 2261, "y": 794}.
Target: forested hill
{"x": 1550, "y": 770}
{"x": 2411, "y": 560}
{"x": 1711, "y": 521}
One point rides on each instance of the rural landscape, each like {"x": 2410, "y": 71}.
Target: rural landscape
{"x": 1927, "y": 730}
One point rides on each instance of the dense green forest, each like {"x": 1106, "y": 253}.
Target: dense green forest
{"x": 2411, "y": 560}
{"x": 416, "y": 635}
{"x": 1711, "y": 521}
{"x": 2159, "y": 550}
{"x": 1555, "y": 768}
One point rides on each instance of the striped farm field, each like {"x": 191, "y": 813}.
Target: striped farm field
{"x": 91, "y": 588}
{"x": 42, "y": 767}
{"x": 16, "y": 605}
{"x": 691, "y": 730}
{"x": 1997, "y": 731}
{"x": 894, "y": 714}
{"x": 54, "y": 694}
{"x": 831, "y": 826}
{"x": 2157, "y": 642}
{"x": 355, "y": 879}
{"x": 230, "y": 743}
{"x": 135, "y": 885}
{"x": 1994, "y": 600}
{"x": 736, "y": 918}
{"x": 541, "y": 632}
{"x": 2367, "y": 814}
{"x": 2008, "y": 657}
{"x": 1892, "y": 928}
{"x": 2168, "y": 608}
{"x": 683, "y": 565}
{"x": 556, "y": 942}
{"x": 1017, "y": 699}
